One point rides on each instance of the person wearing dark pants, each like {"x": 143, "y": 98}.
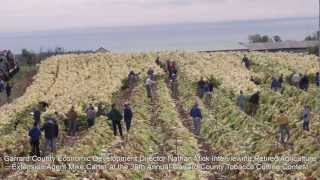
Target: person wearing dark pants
{"x": 127, "y": 114}
{"x": 283, "y": 122}
{"x": 34, "y": 135}
{"x": 306, "y": 117}
{"x": 195, "y": 113}
{"x": 116, "y": 118}
{"x": 37, "y": 115}
{"x": 318, "y": 79}
{"x": 72, "y": 122}
{"x": 91, "y": 115}
{"x": 51, "y": 131}
{"x": 8, "y": 91}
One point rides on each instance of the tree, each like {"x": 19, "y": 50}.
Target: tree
{"x": 266, "y": 38}
{"x": 277, "y": 38}
{"x": 29, "y": 56}
{"x": 312, "y": 37}
{"x": 59, "y": 50}
{"x": 257, "y": 38}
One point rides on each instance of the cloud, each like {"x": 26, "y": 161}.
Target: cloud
{"x": 26, "y": 15}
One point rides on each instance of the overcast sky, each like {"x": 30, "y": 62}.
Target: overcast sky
{"x": 28, "y": 15}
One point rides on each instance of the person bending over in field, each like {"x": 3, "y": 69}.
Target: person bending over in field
{"x": 115, "y": 116}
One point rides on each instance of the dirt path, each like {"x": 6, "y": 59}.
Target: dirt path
{"x": 20, "y": 84}
{"x": 205, "y": 149}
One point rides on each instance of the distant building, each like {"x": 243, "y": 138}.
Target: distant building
{"x": 291, "y": 46}
{"x": 102, "y": 50}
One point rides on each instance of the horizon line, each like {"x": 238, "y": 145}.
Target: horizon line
{"x": 159, "y": 24}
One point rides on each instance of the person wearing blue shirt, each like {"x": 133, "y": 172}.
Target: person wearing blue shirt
{"x": 196, "y": 115}
{"x": 275, "y": 84}
{"x": 35, "y": 135}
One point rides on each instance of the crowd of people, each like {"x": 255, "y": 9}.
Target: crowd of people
{"x": 71, "y": 122}
{"x": 205, "y": 89}
{"x": 296, "y": 79}
{"x": 300, "y": 81}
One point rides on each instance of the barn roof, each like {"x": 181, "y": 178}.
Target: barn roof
{"x": 281, "y": 45}
{"x": 102, "y": 50}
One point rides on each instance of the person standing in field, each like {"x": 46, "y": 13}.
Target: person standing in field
{"x": 306, "y": 117}
{"x": 150, "y": 87}
{"x": 8, "y": 91}
{"x": 283, "y": 122}
{"x": 246, "y": 62}
{"x": 35, "y": 134}
{"x": 51, "y": 131}
{"x": 116, "y": 118}
{"x": 174, "y": 85}
{"x": 127, "y": 114}
{"x": 254, "y": 103}
{"x": 157, "y": 61}
{"x": 318, "y": 79}
{"x": 281, "y": 80}
{"x": 72, "y": 121}
{"x": 206, "y": 92}
{"x": 196, "y": 115}
{"x": 241, "y": 101}
{"x": 168, "y": 62}
{"x": 201, "y": 84}
{"x": 91, "y": 115}
{"x": 2, "y": 86}
{"x": 173, "y": 69}
{"x": 304, "y": 82}
{"x": 150, "y": 74}
{"x": 132, "y": 79}
{"x": 37, "y": 115}
{"x": 275, "y": 84}
{"x": 295, "y": 79}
